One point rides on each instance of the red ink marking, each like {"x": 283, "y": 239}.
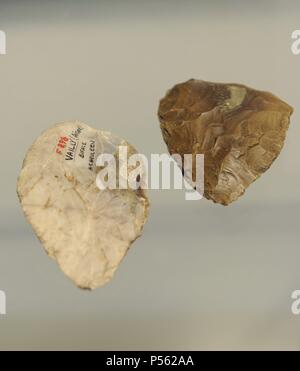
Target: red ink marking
{"x": 61, "y": 144}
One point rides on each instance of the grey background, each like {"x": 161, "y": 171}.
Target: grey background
{"x": 202, "y": 276}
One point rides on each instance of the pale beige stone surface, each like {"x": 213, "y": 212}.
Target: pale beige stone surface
{"x": 240, "y": 131}
{"x": 88, "y": 231}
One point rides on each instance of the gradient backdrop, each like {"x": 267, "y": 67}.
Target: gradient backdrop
{"x": 202, "y": 276}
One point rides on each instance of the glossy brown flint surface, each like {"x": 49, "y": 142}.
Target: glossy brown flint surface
{"x": 240, "y": 131}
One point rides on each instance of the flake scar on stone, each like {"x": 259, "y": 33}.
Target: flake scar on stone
{"x": 88, "y": 231}
{"x": 240, "y": 131}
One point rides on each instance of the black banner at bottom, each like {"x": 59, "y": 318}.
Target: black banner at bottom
{"x": 142, "y": 360}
